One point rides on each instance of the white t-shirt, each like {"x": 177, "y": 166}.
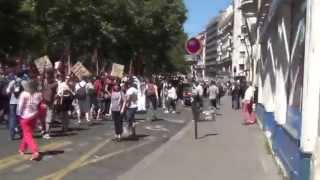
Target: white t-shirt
{"x": 81, "y": 84}
{"x": 172, "y": 93}
{"x": 28, "y": 105}
{"x": 132, "y": 91}
{"x": 248, "y": 96}
{"x": 62, "y": 86}
{"x": 213, "y": 92}
{"x": 199, "y": 89}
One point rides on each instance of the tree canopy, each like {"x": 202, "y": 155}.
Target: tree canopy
{"x": 148, "y": 32}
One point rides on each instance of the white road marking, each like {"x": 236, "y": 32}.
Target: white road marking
{"x": 21, "y": 168}
{"x": 109, "y": 155}
{"x": 98, "y": 138}
{"x": 178, "y": 121}
{"x": 83, "y": 144}
{"x": 68, "y": 150}
{"x": 157, "y": 128}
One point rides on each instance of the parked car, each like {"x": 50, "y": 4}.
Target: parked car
{"x": 187, "y": 94}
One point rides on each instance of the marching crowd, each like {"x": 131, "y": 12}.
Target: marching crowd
{"x": 30, "y": 102}
{"x": 36, "y": 101}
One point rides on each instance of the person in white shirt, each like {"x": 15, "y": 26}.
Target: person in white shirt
{"x": 131, "y": 105}
{"x": 172, "y": 97}
{"x": 213, "y": 94}
{"x": 248, "y": 113}
{"x": 28, "y": 112}
{"x": 65, "y": 96}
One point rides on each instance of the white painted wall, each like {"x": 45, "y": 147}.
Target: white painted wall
{"x": 310, "y": 115}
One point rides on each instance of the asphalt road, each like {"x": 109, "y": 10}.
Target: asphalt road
{"x": 89, "y": 153}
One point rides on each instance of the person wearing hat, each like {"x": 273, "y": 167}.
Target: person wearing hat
{"x": 28, "y": 113}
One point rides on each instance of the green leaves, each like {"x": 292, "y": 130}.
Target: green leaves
{"x": 121, "y": 29}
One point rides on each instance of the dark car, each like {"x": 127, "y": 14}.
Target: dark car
{"x": 187, "y": 94}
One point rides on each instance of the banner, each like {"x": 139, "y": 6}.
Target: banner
{"x": 43, "y": 63}
{"x": 117, "y": 70}
{"x": 79, "y": 70}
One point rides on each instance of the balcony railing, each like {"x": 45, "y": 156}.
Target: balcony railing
{"x": 249, "y": 7}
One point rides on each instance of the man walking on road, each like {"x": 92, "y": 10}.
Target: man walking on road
{"x": 152, "y": 98}
{"x": 213, "y": 94}
{"x": 131, "y": 103}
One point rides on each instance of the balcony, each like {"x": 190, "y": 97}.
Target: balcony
{"x": 249, "y": 7}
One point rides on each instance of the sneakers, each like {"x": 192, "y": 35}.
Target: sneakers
{"x": 46, "y": 136}
{"x": 173, "y": 112}
{"x": 35, "y": 157}
{"x": 166, "y": 112}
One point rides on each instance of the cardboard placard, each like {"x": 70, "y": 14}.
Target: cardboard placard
{"x": 117, "y": 70}
{"x": 79, "y": 70}
{"x": 43, "y": 63}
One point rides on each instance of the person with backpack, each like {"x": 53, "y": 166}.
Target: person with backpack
{"x": 131, "y": 106}
{"x": 14, "y": 90}
{"x": 83, "y": 99}
{"x": 152, "y": 98}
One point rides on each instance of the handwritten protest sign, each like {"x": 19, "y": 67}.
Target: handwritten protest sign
{"x": 117, "y": 70}
{"x": 43, "y": 63}
{"x": 79, "y": 70}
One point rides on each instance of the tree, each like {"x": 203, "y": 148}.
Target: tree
{"x": 147, "y": 32}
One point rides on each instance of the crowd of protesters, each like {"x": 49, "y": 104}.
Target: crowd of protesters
{"x": 32, "y": 101}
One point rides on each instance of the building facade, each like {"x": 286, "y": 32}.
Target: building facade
{"x": 225, "y": 44}
{"x": 288, "y": 81}
{"x": 219, "y": 44}
{"x": 211, "y": 47}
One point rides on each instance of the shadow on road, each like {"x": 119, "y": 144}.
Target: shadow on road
{"x": 208, "y": 135}
{"x": 50, "y": 153}
{"x": 135, "y": 138}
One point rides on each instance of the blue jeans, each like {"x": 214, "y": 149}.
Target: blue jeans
{"x": 13, "y": 123}
{"x": 130, "y": 115}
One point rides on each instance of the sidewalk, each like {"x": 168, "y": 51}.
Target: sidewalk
{"x": 226, "y": 150}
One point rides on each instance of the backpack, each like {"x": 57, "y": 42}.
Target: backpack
{"x": 151, "y": 90}
{"x": 81, "y": 93}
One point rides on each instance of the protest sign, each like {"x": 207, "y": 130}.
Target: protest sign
{"x": 117, "y": 70}
{"x": 43, "y": 63}
{"x": 79, "y": 70}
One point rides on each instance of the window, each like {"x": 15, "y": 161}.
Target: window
{"x": 241, "y": 67}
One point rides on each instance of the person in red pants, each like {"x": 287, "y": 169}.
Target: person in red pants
{"x": 248, "y": 112}
{"x": 28, "y": 112}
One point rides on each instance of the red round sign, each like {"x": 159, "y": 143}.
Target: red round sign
{"x": 193, "y": 46}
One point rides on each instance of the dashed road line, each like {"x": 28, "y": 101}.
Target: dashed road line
{"x": 83, "y": 144}
{"x": 157, "y": 128}
{"x": 76, "y": 164}
{"x": 21, "y": 168}
{"x": 109, "y": 155}
{"x": 17, "y": 159}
